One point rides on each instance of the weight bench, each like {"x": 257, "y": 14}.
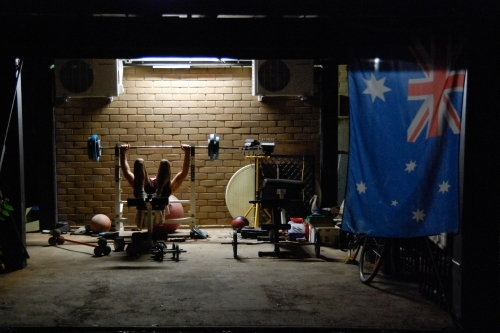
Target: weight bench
{"x": 276, "y": 195}
{"x": 139, "y": 243}
{"x": 157, "y": 203}
{"x": 148, "y": 204}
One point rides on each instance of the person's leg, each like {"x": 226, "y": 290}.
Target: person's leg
{"x": 163, "y": 187}
{"x": 140, "y": 219}
{"x": 140, "y": 178}
{"x": 163, "y": 178}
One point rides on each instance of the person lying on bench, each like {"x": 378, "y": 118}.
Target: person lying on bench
{"x": 162, "y": 185}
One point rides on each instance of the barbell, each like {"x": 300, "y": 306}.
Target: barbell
{"x": 94, "y": 148}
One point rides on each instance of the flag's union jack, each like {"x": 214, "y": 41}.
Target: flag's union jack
{"x": 434, "y": 89}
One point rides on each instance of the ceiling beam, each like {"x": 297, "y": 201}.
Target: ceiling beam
{"x": 212, "y": 8}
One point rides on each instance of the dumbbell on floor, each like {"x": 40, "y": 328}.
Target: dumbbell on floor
{"x": 100, "y": 249}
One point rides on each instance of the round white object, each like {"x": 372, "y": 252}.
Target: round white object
{"x": 239, "y": 191}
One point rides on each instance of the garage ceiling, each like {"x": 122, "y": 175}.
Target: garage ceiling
{"x": 237, "y": 9}
{"x": 240, "y": 29}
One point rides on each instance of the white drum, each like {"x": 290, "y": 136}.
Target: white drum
{"x": 239, "y": 191}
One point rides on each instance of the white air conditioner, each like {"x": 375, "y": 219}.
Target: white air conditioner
{"x": 282, "y": 78}
{"x": 88, "y": 77}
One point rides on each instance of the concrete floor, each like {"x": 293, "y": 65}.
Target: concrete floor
{"x": 67, "y": 287}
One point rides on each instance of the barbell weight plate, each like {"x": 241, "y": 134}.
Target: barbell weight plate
{"x": 107, "y": 250}
{"x": 211, "y": 148}
{"x": 211, "y": 144}
{"x": 91, "y": 147}
{"x": 177, "y": 252}
{"x": 52, "y": 241}
{"x": 216, "y": 152}
{"x": 94, "y": 147}
{"x": 98, "y": 251}
{"x": 60, "y": 240}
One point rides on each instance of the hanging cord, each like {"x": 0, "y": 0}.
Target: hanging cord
{"x": 302, "y": 177}
{"x": 446, "y": 298}
{"x": 19, "y": 69}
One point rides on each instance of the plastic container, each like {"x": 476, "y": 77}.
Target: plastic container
{"x": 297, "y": 229}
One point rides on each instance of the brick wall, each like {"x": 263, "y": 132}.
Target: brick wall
{"x": 170, "y": 107}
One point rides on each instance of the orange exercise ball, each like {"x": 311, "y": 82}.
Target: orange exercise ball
{"x": 176, "y": 212}
{"x": 100, "y": 223}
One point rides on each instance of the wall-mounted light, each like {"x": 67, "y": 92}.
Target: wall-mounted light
{"x": 186, "y": 62}
{"x": 172, "y": 66}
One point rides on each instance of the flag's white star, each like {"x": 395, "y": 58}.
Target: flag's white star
{"x": 376, "y": 88}
{"x": 394, "y": 203}
{"x": 443, "y": 187}
{"x": 361, "y": 187}
{"x": 418, "y": 215}
{"x": 411, "y": 166}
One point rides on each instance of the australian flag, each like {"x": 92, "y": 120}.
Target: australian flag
{"x": 404, "y": 145}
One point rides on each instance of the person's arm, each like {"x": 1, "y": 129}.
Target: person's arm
{"x": 179, "y": 178}
{"x": 127, "y": 173}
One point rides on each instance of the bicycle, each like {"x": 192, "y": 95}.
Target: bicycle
{"x": 353, "y": 248}
{"x": 370, "y": 251}
{"x": 371, "y": 258}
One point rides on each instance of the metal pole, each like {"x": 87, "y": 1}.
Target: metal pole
{"x": 118, "y": 225}
{"x": 192, "y": 203}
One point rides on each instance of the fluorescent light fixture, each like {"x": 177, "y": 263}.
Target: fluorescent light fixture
{"x": 175, "y": 15}
{"x": 173, "y": 66}
{"x": 180, "y": 59}
{"x": 187, "y": 62}
{"x": 237, "y": 16}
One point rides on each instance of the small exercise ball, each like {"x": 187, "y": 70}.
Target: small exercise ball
{"x": 176, "y": 212}
{"x": 100, "y": 223}
{"x": 239, "y": 222}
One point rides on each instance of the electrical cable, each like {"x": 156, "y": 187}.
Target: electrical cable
{"x": 18, "y": 74}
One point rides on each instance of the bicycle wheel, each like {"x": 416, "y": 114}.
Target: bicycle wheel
{"x": 371, "y": 258}
{"x": 353, "y": 249}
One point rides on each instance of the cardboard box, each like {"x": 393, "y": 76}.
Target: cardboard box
{"x": 321, "y": 221}
{"x": 32, "y": 226}
{"x": 32, "y": 223}
{"x": 328, "y": 235}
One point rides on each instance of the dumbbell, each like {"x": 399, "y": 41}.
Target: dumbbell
{"x": 99, "y": 249}
{"x": 161, "y": 249}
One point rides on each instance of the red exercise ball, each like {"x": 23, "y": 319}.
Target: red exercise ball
{"x": 100, "y": 223}
{"x": 176, "y": 212}
{"x": 239, "y": 222}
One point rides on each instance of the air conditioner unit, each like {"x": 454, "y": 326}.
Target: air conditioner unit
{"x": 282, "y": 78}
{"x": 88, "y": 77}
